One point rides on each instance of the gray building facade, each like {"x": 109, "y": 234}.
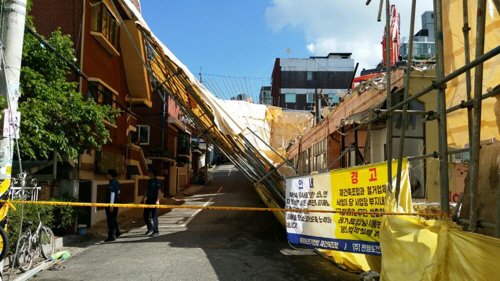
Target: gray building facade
{"x": 423, "y": 45}
{"x": 296, "y": 82}
{"x": 265, "y": 95}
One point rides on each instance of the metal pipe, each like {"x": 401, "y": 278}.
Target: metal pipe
{"x": 454, "y": 215}
{"x": 405, "y": 107}
{"x": 497, "y": 220}
{"x": 463, "y": 104}
{"x": 465, "y": 30}
{"x": 338, "y": 158}
{"x": 342, "y": 148}
{"x": 478, "y": 224}
{"x": 441, "y": 108}
{"x": 416, "y": 112}
{"x": 379, "y": 18}
{"x": 436, "y": 154}
{"x": 388, "y": 40}
{"x": 353, "y": 76}
{"x": 272, "y": 171}
{"x": 356, "y": 148}
{"x": 476, "y": 129}
{"x": 367, "y": 144}
{"x": 439, "y": 82}
{"x": 274, "y": 150}
{"x": 257, "y": 164}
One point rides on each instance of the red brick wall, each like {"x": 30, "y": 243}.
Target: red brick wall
{"x": 98, "y": 63}
{"x": 49, "y": 15}
{"x": 52, "y": 14}
{"x": 154, "y": 116}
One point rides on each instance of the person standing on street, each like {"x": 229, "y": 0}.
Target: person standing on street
{"x": 112, "y": 196}
{"x": 152, "y": 196}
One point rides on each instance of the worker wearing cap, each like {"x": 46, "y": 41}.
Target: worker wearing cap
{"x": 152, "y": 197}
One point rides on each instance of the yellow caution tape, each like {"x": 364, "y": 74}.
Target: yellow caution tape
{"x": 218, "y": 208}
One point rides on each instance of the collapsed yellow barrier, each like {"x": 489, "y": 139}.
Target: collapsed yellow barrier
{"x": 432, "y": 250}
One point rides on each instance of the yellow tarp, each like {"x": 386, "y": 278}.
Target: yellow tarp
{"x": 454, "y": 58}
{"x": 430, "y": 250}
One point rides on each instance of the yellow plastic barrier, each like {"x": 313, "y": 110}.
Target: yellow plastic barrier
{"x": 432, "y": 250}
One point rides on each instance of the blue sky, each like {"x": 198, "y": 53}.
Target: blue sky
{"x": 242, "y": 38}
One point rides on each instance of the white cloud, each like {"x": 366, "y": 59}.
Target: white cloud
{"x": 340, "y": 25}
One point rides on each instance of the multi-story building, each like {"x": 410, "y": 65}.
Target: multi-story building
{"x": 423, "y": 45}
{"x": 296, "y": 82}
{"x": 265, "y": 95}
{"x": 153, "y": 135}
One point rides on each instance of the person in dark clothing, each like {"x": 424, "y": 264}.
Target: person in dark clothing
{"x": 152, "y": 196}
{"x": 112, "y": 196}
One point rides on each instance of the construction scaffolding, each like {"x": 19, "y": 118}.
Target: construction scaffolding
{"x": 243, "y": 146}
{"x": 249, "y": 149}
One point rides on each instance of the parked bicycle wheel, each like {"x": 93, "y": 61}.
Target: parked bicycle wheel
{"x": 4, "y": 244}
{"x": 47, "y": 245}
{"x": 25, "y": 254}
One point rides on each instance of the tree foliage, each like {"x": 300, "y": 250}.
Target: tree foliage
{"x": 53, "y": 114}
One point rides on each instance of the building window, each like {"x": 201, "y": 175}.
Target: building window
{"x": 311, "y": 98}
{"x": 290, "y": 98}
{"x": 141, "y": 136}
{"x": 104, "y": 22}
{"x": 333, "y": 99}
{"x": 311, "y": 76}
{"x": 101, "y": 94}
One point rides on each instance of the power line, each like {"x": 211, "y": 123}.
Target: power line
{"x": 227, "y": 88}
{"x": 217, "y": 84}
{"x": 249, "y": 77}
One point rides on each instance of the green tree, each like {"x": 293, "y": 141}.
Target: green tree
{"x": 53, "y": 114}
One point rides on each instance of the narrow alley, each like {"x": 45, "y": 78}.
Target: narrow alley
{"x": 204, "y": 245}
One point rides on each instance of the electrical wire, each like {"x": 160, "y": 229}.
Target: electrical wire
{"x": 219, "y": 75}
{"x": 217, "y": 84}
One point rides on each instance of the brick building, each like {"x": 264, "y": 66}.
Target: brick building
{"x": 108, "y": 56}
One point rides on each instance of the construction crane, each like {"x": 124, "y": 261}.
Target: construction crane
{"x": 395, "y": 37}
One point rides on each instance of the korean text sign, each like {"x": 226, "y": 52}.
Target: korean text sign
{"x": 358, "y": 189}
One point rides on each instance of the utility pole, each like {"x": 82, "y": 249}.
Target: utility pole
{"x": 14, "y": 16}
{"x": 12, "y": 47}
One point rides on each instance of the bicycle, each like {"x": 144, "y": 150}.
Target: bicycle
{"x": 30, "y": 244}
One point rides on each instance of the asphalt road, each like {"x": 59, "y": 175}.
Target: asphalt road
{"x": 204, "y": 245}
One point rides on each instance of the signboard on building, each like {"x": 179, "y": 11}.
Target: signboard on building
{"x": 360, "y": 189}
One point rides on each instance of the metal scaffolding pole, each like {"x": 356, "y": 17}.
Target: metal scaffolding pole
{"x": 405, "y": 107}
{"x": 464, "y": 104}
{"x": 441, "y": 108}
{"x": 497, "y": 220}
{"x": 466, "y": 29}
{"x": 440, "y": 82}
{"x": 435, "y": 154}
{"x": 476, "y": 129}
{"x": 388, "y": 40}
